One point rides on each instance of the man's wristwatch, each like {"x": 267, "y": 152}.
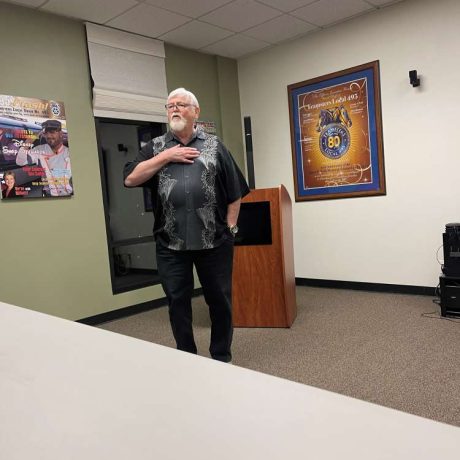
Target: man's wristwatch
{"x": 233, "y": 229}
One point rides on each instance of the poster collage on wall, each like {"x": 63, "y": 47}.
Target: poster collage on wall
{"x": 34, "y": 149}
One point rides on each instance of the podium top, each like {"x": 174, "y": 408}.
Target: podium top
{"x": 268, "y": 194}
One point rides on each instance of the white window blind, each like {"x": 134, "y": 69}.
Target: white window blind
{"x": 129, "y": 75}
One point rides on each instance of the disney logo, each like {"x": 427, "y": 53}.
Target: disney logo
{"x": 18, "y": 142}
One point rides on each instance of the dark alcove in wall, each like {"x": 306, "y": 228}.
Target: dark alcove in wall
{"x": 128, "y": 216}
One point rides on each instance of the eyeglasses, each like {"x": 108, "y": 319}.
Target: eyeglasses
{"x": 179, "y": 105}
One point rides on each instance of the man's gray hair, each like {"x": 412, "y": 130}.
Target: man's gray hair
{"x": 191, "y": 98}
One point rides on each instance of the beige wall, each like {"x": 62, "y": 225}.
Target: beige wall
{"x": 230, "y": 110}
{"x": 54, "y": 252}
{"x": 214, "y": 81}
{"x": 389, "y": 239}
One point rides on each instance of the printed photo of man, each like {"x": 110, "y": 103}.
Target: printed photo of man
{"x": 52, "y": 159}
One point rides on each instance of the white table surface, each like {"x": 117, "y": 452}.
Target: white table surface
{"x": 71, "y": 391}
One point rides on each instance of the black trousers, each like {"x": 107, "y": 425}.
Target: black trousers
{"x": 214, "y": 269}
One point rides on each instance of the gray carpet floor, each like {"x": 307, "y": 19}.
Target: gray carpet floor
{"x": 390, "y": 349}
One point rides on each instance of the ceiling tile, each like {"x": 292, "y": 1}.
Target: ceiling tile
{"x": 148, "y": 20}
{"x": 195, "y": 35}
{"x": 326, "y": 12}
{"x": 235, "y": 46}
{"x": 240, "y": 15}
{"x": 90, "y": 10}
{"x": 280, "y": 29}
{"x": 194, "y": 8}
{"x": 382, "y": 2}
{"x": 287, "y": 5}
{"x": 210, "y": 25}
{"x": 32, "y": 3}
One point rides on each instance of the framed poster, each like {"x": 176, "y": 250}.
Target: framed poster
{"x": 34, "y": 148}
{"x": 207, "y": 126}
{"x": 336, "y": 135}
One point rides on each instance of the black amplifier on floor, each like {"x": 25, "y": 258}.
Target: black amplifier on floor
{"x": 451, "y": 245}
{"x": 449, "y": 287}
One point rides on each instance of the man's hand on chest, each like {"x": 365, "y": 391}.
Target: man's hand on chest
{"x": 180, "y": 154}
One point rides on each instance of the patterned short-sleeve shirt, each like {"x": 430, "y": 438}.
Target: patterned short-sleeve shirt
{"x": 190, "y": 200}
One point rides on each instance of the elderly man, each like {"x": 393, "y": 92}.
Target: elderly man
{"x": 196, "y": 193}
{"x": 53, "y": 159}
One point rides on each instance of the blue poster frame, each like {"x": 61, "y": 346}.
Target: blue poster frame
{"x": 370, "y": 73}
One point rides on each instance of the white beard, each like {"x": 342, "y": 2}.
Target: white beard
{"x": 177, "y": 125}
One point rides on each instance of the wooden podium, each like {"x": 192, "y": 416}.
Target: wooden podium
{"x": 263, "y": 274}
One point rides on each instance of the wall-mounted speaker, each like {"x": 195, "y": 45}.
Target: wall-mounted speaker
{"x": 413, "y": 78}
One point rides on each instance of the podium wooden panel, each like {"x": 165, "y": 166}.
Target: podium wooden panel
{"x": 263, "y": 275}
